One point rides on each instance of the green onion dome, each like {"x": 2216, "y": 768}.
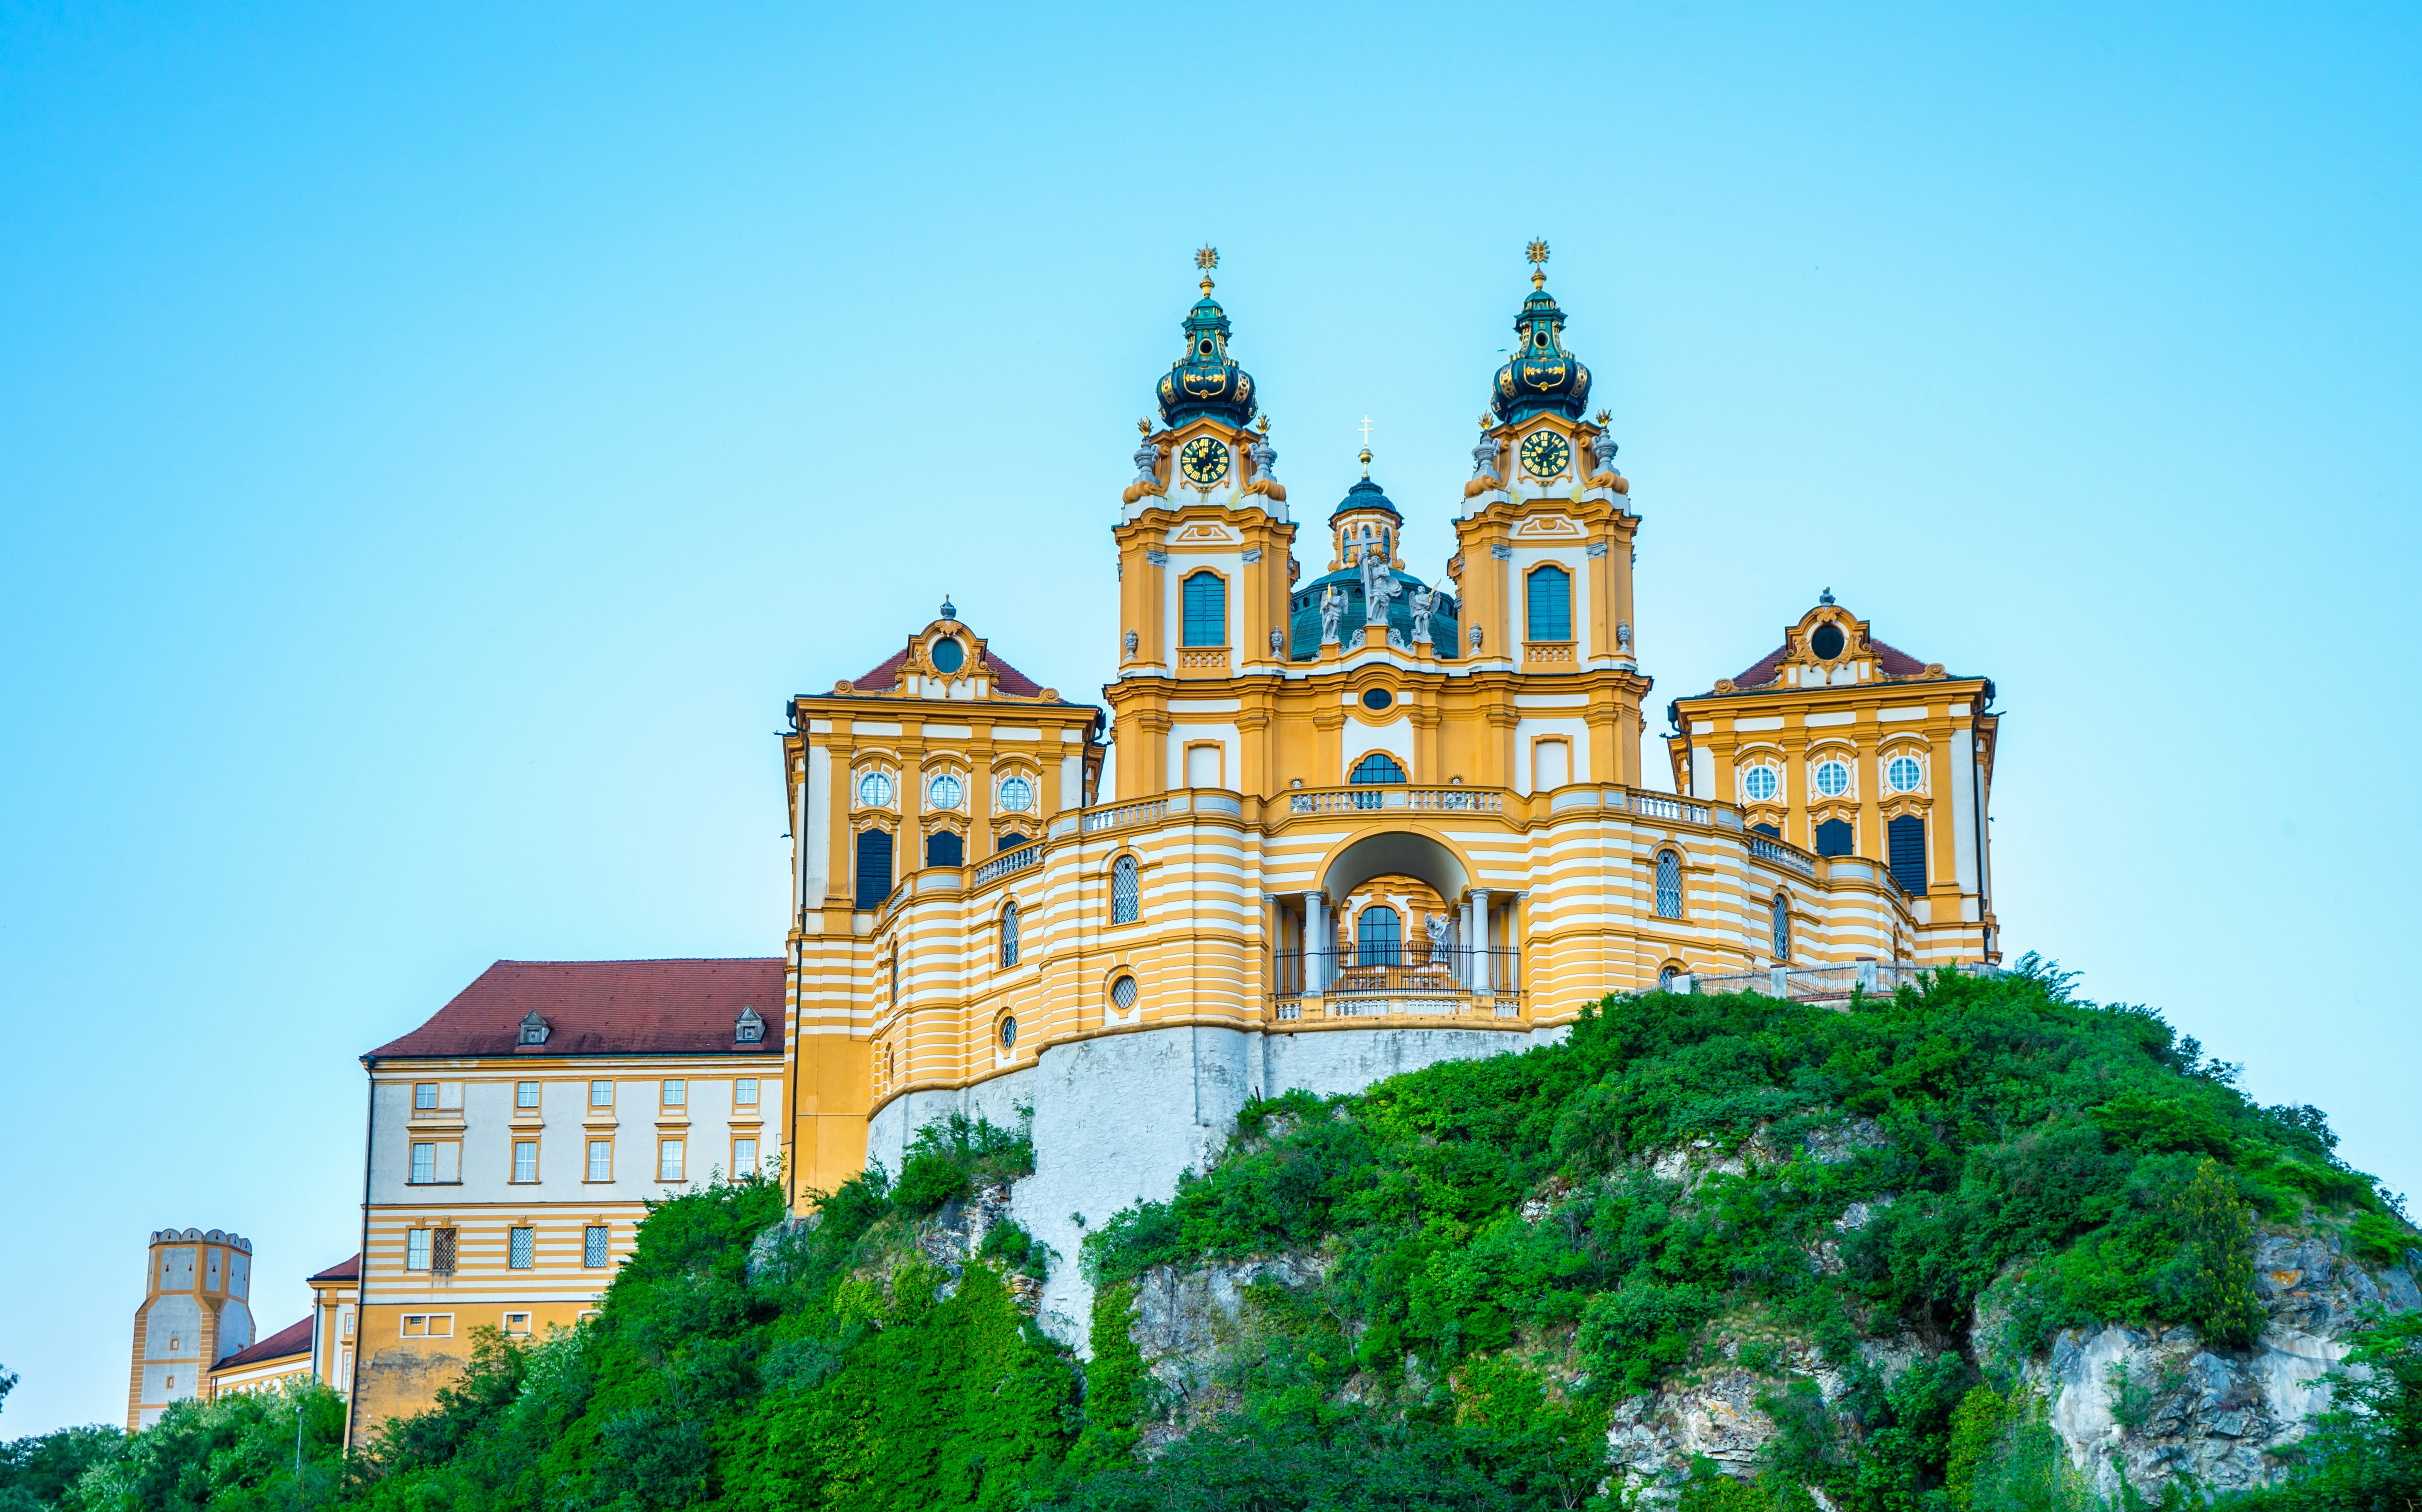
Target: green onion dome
{"x": 1364, "y": 495}
{"x": 1207, "y": 381}
{"x": 1303, "y": 614}
{"x": 1541, "y": 378}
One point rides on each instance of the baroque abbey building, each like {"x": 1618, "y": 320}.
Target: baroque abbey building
{"x": 1364, "y": 820}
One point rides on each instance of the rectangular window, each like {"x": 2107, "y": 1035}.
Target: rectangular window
{"x": 441, "y": 1251}
{"x": 424, "y": 1164}
{"x": 424, "y": 1096}
{"x": 601, "y": 1159}
{"x": 516, "y": 1325}
{"x": 744, "y": 1158}
{"x": 1905, "y": 837}
{"x": 415, "y": 1248}
{"x": 1206, "y": 611}
{"x": 521, "y": 1248}
{"x": 676, "y": 1094}
{"x": 429, "y": 1325}
{"x": 1549, "y": 607}
{"x": 593, "y": 1244}
{"x": 524, "y": 1159}
{"x": 415, "y": 1325}
{"x": 744, "y": 1091}
{"x": 601, "y": 1094}
{"x": 873, "y": 867}
{"x": 525, "y": 1094}
{"x": 668, "y": 1161}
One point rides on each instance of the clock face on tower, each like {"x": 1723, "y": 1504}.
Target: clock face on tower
{"x": 1545, "y": 454}
{"x": 1203, "y": 461}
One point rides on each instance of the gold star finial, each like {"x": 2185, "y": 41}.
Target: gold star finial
{"x": 1206, "y": 259}
{"x": 1143, "y": 427}
{"x": 1265, "y": 424}
{"x": 1537, "y": 253}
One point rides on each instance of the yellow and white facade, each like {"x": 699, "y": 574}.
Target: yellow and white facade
{"x": 1362, "y": 823}
{"x": 517, "y": 1137}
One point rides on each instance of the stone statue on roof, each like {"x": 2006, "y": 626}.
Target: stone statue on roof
{"x": 1332, "y": 614}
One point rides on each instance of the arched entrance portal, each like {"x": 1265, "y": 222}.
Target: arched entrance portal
{"x": 1396, "y": 923}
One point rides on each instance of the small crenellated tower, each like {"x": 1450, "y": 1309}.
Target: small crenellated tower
{"x": 195, "y": 1310}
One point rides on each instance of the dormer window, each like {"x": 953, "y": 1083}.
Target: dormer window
{"x": 750, "y": 1029}
{"x": 534, "y": 1029}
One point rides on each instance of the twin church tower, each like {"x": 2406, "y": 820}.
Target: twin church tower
{"x": 1337, "y": 820}
{"x": 1362, "y": 821}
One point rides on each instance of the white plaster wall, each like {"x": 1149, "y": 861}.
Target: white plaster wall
{"x": 1183, "y": 735}
{"x": 1526, "y": 731}
{"x": 1396, "y": 737}
{"x": 817, "y": 834}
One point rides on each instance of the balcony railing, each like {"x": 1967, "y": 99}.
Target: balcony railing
{"x": 1350, "y": 985}
{"x": 1002, "y": 866}
{"x": 1791, "y": 858}
{"x": 1433, "y": 800}
{"x": 1821, "y": 984}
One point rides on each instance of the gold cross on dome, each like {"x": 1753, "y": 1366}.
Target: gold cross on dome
{"x": 1537, "y": 253}
{"x": 1207, "y": 260}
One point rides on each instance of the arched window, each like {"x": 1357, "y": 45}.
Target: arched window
{"x": 1669, "y": 885}
{"x": 1782, "y": 927}
{"x": 1549, "y": 605}
{"x": 1204, "y": 620}
{"x": 1008, "y": 935}
{"x": 1378, "y": 937}
{"x": 895, "y": 976}
{"x": 1376, "y": 767}
{"x": 945, "y": 847}
{"x": 1127, "y": 894}
{"x": 873, "y": 867}
{"x": 1667, "y": 975}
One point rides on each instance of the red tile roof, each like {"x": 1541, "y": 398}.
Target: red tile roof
{"x": 342, "y": 1270}
{"x": 1008, "y": 679}
{"x": 294, "y": 1339}
{"x": 606, "y": 1008}
{"x": 1895, "y": 664}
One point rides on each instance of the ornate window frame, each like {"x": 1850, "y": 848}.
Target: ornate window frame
{"x": 872, "y": 764}
{"x": 1681, "y": 882}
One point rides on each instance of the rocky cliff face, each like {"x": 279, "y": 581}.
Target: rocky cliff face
{"x": 2148, "y": 1407}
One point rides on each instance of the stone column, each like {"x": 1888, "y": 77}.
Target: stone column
{"x": 1316, "y": 942}
{"x": 1479, "y": 913}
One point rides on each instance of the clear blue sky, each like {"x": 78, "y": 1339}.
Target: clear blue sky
{"x": 434, "y": 439}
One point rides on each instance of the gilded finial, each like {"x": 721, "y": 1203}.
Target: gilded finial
{"x": 1143, "y": 427}
{"x": 1604, "y": 416}
{"x": 1537, "y": 253}
{"x": 1206, "y": 259}
{"x": 1484, "y": 422}
{"x": 1366, "y": 446}
{"x": 1265, "y": 424}
{"x": 1366, "y": 461}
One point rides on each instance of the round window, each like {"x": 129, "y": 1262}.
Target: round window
{"x": 948, "y": 655}
{"x": 1903, "y": 775}
{"x": 945, "y": 792}
{"x": 1832, "y": 778}
{"x": 1008, "y": 1032}
{"x": 1016, "y": 794}
{"x": 1758, "y": 784}
{"x": 1123, "y": 993}
{"x": 1827, "y": 641}
{"x": 874, "y": 790}
{"x": 1377, "y": 699}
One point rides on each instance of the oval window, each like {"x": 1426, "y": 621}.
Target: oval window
{"x": 1832, "y": 778}
{"x": 1016, "y": 794}
{"x": 1904, "y": 775}
{"x": 1377, "y": 699}
{"x": 946, "y": 791}
{"x": 1827, "y": 641}
{"x": 874, "y": 790}
{"x": 1758, "y": 784}
{"x": 1123, "y": 993}
{"x": 948, "y": 655}
{"x": 1008, "y": 1032}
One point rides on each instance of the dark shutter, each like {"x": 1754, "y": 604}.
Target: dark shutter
{"x": 1767, "y": 831}
{"x": 945, "y": 847}
{"x": 1906, "y": 837}
{"x": 1834, "y": 838}
{"x": 873, "y": 867}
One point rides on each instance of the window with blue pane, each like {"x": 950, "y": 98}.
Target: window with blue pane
{"x": 1549, "y": 605}
{"x": 1205, "y": 599}
{"x": 1376, "y": 767}
{"x": 1379, "y": 938}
